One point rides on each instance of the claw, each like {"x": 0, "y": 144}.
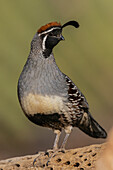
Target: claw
{"x": 35, "y": 160}
{"x": 54, "y": 154}
{"x": 48, "y": 152}
{"x": 61, "y": 150}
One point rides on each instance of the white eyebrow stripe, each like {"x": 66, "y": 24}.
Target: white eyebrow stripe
{"x": 48, "y": 30}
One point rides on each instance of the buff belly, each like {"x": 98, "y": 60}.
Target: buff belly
{"x": 44, "y": 110}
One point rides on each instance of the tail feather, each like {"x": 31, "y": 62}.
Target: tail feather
{"x": 91, "y": 127}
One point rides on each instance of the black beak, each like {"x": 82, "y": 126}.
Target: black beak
{"x": 62, "y": 38}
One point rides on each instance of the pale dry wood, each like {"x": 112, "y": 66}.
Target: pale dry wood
{"x": 79, "y": 158}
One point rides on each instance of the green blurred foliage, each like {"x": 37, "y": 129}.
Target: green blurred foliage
{"x": 86, "y": 56}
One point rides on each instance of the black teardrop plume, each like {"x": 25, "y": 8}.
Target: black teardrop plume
{"x": 73, "y": 23}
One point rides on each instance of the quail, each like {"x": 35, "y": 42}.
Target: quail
{"x": 48, "y": 97}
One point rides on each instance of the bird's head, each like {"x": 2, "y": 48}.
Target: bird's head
{"x": 51, "y": 34}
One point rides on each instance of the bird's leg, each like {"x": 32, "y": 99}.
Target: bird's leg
{"x": 58, "y": 133}
{"x": 64, "y": 141}
{"x": 55, "y": 146}
{"x": 67, "y": 131}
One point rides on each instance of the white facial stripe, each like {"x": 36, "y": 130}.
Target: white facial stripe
{"x": 43, "y": 43}
{"x": 48, "y": 30}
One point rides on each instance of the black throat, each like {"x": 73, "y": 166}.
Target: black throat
{"x": 47, "y": 52}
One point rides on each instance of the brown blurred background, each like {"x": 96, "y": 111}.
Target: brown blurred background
{"x": 86, "y": 56}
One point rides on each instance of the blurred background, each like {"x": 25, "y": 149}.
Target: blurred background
{"x": 86, "y": 56}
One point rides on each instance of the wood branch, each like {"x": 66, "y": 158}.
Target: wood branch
{"x": 79, "y": 158}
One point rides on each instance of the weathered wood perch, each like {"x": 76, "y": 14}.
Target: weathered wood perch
{"x": 80, "y": 158}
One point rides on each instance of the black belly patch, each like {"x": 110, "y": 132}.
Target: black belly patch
{"x": 54, "y": 121}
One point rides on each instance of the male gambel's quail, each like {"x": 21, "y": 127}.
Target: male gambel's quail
{"x": 47, "y": 96}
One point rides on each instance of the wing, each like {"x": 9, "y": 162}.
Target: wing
{"x": 78, "y": 100}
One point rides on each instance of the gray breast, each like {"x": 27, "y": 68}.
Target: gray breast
{"x": 42, "y": 76}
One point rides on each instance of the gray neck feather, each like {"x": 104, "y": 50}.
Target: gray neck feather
{"x": 36, "y": 45}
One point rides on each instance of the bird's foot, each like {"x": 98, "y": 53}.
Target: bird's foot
{"x": 62, "y": 150}
{"x": 53, "y": 154}
{"x": 40, "y": 162}
{"x": 49, "y": 153}
{"x": 37, "y": 161}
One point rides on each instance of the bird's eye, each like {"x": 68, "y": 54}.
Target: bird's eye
{"x": 51, "y": 34}
{"x": 58, "y": 35}
{"x": 55, "y": 33}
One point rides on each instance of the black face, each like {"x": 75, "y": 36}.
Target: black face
{"x": 53, "y": 38}
{"x": 50, "y": 40}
